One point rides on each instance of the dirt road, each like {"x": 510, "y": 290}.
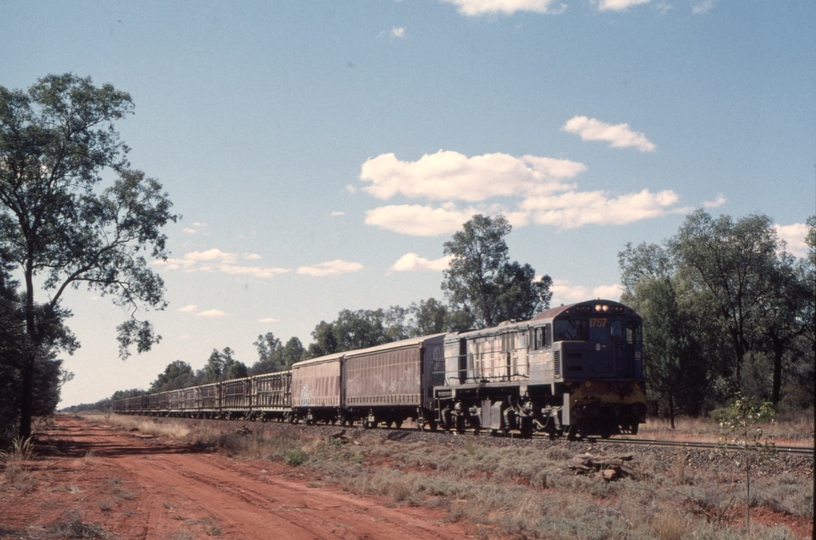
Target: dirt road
{"x": 132, "y": 486}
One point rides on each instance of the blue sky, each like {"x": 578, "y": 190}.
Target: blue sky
{"x": 322, "y": 152}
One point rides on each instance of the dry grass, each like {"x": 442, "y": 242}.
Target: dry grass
{"x": 172, "y": 429}
{"x": 796, "y": 431}
{"x": 21, "y": 450}
{"x": 72, "y": 526}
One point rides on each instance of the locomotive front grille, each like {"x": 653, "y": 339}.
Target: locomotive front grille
{"x": 557, "y": 363}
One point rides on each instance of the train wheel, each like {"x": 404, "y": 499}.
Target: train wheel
{"x": 476, "y": 425}
{"x": 527, "y": 428}
{"x": 460, "y": 425}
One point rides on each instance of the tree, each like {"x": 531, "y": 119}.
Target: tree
{"x": 736, "y": 277}
{"x": 482, "y": 282}
{"x": 269, "y": 354}
{"x": 358, "y": 330}
{"x": 273, "y": 356}
{"x": 741, "y": 431}
{"x": 725, "y": 305}
{"x": 676, "y": 374}
{"x": 430, "y": 317}
{"x": 177, "y": 374}
{"x": 221, "y": 366}
{"x": 73, "y": 213}
{"x": 48, "y": 374}
{"x": 293, "y": 352}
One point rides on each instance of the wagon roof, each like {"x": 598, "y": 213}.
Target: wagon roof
{"x": 318, "y": 360}
{"x": 404, "y": 343}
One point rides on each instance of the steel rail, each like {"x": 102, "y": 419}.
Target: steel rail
{"x": 800, "y": 450}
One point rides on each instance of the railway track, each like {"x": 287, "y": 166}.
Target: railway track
{"x": 409, "y": 427}
{"x": 796, "y": 450}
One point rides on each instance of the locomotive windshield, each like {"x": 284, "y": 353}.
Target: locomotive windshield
{"x": 571, "y": 330}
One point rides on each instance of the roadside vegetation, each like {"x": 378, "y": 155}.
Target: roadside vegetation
{"x": 503, "y": 488}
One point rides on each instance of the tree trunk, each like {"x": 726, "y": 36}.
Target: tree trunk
{"x": 30, "y": 356}
{"x": 27, "y": 397}
{"x": 671, "y": 410}
{"x": 776, "y": 387}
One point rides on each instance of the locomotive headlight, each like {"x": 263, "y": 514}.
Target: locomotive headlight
{"x": 598, "y": 307}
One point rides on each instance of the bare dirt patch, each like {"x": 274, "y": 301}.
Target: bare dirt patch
{"x": 90, "y": 481}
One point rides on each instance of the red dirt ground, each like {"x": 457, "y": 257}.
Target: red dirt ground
{"x": 134, "y": 487}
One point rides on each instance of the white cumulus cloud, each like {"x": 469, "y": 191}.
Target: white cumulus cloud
{"x": 254, "y": 271}
{"x": 448, "y": 175}
{"x": 398, "y": 32}
{"x": 527, "y": 189}
{"x": 211, "y": 313}
{"x": 190, "y": 308}
{"x": 718, "y": 201}
{"x": 474, "y": 8}
{"x": 215, "y": 260}
{"x": 268, "y": 320}
{"x": 619, "y": 5}
{"x": 330, "y": 268}
{"x": 794, "y": 236}
{"x": 617, "y": 135}
{"x": 701, "y": 8}
{"x": 418, "y": 220}
{"x": 574, "y": 209}
{"x": 411, "y": 262}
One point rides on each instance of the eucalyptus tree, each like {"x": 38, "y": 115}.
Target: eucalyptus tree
{"x": 676, "y": 370}
{"x": 270, "y": 352}
{"x": 742, "y": 284}
{"x": 177, "y": 374}
{"x": 480, "y": 280}
{"x": 429, "y": 317}
{"x": 724, "y": 295}
{"x": 73, "y": 213}
{"x": 221, "y": 366}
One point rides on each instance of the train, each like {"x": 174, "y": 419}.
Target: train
{"x": 575, "y": 370}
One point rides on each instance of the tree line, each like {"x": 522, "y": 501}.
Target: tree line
{"x": 726, "y": 309}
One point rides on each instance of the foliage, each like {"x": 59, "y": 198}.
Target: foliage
{"x": 483, "y": 284}
{"x": 741, "y": 429}
{"x": 221, "y": 366}
{"x": 274, "y": 356}
{"x": 357, "y": 330}
{"x": 73, "y": 213}
{"x": 724, "y": 307}
{"x": 48, "y": 375}
{"x": 177, "y": 374}
{"x": 676, "y": 379}
{"x": 21, "y": 449}
{"x": 429, "y": 317}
